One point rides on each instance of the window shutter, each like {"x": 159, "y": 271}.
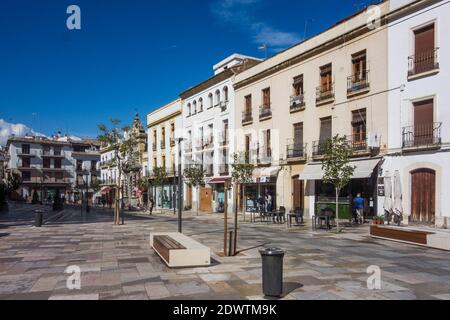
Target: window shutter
{"x": 423, "y": 112}
{"x": 424, "y": 40}
{"x": 325, "y": 129}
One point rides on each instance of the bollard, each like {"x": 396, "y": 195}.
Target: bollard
{"x": 272, "y": 271}
{"x": 38, "y": 217}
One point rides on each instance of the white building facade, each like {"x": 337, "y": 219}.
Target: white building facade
{"x": 208, "y": 129}
{"x": 419, "y": 117}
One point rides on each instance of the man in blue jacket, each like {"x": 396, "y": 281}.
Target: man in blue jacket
{"x": 358, "y": 206}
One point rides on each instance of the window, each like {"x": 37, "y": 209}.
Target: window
{"x": 248, "y": 104}
{"x": 57, "y": 151}
{"x": 46, "y": 150}
{"x": 93, "y": 165}
{"x": 25, "y": 149}
{"x": 79, "y": 165}
{"x": 217, "y": 102}
{"x": 325, "y": 129}
{"x": 225, "y": 94}
{"x": 359, "y": 128}
{"x": 248, "y": 140}
{"x": 298, "y": 86}
{"x": 26, "y": 176}
{"x": 326, "y": 78}
{"x": 163, "y": 161}
{"x": 189, "y": 110}
{"x": 359, "y": 63}
{"x": 26, "y": 162}
{"x": 423, "y": 122}
{"x": 200, "y": 105}
{"x": 57, "y": 163}
{"x": 46, "y": 163}
{"x": 155, "y": 163}
{"x": 298, "y": 134}
{"x": 425, "y": 58}
{"x": 266, "y": 98}
{"x": 210, "y": 101}
{"x": 194, "y": 106}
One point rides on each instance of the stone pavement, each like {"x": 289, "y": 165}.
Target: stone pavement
{"x": 117, "y": 262}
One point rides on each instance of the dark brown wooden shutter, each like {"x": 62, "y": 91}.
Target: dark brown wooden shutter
{"x": 423, "y": 112}
{"x": 298, "y": 134}
{"x": 325, "y": 129}
{"x": 424, "y": 40}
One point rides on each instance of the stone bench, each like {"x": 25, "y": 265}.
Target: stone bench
{"x": 179, "y": 251}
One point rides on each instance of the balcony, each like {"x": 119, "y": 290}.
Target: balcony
{"x": 319, "y": 148}
{"x": 52, "y": 154}
{"x": 163, "y": 145}
{"x": 224, "y": 170}
{"x": 423, "y": 64}
{"x": 265, "y": 113}
{"x": 422, "y": 136}
{"x": 107, "y": 182}
{"x": 27, "y": 153}
{"x": 54, "y": 181}
{"x": 264, "y": 156}
{"x": 297, "y": 103}
{"x": 21, "y": 167}
{"x": 358, "y": 144}
{"x": 358, "y": 84}
{"x": 31, "y": 180}
{"x": 223, "y": 106}
{"x": 172, "y": 142}
{"x": 154, "y": 147}
{"x": 296, "y": 151}
{"x": 199, "y": 143}
{"x": 325, "y": 94}
{"x": 247, "y": 118}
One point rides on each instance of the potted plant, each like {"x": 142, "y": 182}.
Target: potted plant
{"x": 378, "y": 220}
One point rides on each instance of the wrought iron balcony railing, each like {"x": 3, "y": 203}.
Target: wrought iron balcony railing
{"x": 297, "y": 102}
{"x": 358, "y": 82}
{"x": 422, "y": 135}
{"x": 325, "y": 92}
{"x": 296, "y": 150}
{"x": 224, "y": 169}
{"x": 319, "y": 148}
{"x": 247, "y": 117}
{"x": 265, "y": 111}
{"x": 423, "y": 62}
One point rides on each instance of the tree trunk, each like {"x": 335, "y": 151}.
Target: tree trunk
{"x": 198, "y": 199}
{"x": 236, "y": 224}
{"x": 337, "y": 209}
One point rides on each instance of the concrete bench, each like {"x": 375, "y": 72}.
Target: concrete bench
{"x": 179, "y": 251}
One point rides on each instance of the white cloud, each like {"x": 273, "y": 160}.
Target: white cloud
{"x": 8, "y": 129}
{"x": 240, "y": 13}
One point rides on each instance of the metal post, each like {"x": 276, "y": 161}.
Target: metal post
{"x": 225, "y": 216}
{"x": 180, "y": 188}
{"x": 174, "y": 194}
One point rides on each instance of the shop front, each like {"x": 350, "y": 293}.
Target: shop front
{"x": 262, "y": 192}
{"x": 165, "y": 196}
{"x": 322, "y": 195}
{"x": 218, "y": 194}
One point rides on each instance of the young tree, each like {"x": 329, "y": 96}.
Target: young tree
{"x": 113, "y": 138}
{"x": 241, "y": 173}
{"x": 160, "y": 178}
{"x": 14, "y": 182}
{"x": 336, "y": 166}
{"x": 195, "y": 178}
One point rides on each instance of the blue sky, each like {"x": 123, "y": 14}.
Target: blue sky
{"x": 133, "y": 55}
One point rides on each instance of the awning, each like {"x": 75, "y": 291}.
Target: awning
{"x": 363, "y": 169}
{"x": 106, "y": 190}
{"x": 218, "y": 180}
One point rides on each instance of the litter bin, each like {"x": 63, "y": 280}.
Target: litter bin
{"x": 272, "y": 271}
{"x": 38, "y": 216}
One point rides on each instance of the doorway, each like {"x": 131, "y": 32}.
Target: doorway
{"x": 206, "y": 200}
{"x": 298, "y": 193}
{"x": 423, "y": 206}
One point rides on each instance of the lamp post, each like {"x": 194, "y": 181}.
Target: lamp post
{"x": 180, "y": 188}
{"x": 86, "y": 168}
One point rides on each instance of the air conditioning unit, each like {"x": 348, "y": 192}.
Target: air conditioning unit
{"x": 374, "y": 140}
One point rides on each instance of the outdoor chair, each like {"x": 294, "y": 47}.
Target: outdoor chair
{"x": 297, "y": 214}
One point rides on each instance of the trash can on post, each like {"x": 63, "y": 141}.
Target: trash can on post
{"x": 272, "y": 271}
{"x": 38, "y": 215}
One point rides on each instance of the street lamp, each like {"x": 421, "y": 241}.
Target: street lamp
{"x": 180, "y": 187}
{"x": 86, "y": 168}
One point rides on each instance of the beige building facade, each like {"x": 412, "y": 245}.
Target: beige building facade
{"x": 290, "y": 104}
{"x": 162, "y": 127}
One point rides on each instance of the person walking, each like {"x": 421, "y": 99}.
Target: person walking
{"x": 358, "y": 206}
{"x": 151, "y": 204}
{"x": 269, "y": 203}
